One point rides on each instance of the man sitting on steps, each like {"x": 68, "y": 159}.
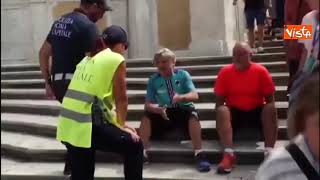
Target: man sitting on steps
{"x": 245, "y": 95}
{"x": 168, "y": 106}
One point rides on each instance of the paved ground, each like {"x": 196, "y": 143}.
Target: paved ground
{"x": 114, "y": 171}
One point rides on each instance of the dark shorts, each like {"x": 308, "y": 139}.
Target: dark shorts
{"x": 252, "y": 14}
{"x": 246, "y": 119}
{"x": 179, "y": 120}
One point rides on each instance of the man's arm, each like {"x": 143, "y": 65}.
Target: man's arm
{"x": 291, "y": 11}
{"x": 189, "y": 87}
{"x": 189, "y": 97}
{"x": 119, "y": 89}
{"x": 220, "y": 100}
{"x": 269, "y": 98}
{"x": 152, "y": 107}
{"x": 44, "y": 56}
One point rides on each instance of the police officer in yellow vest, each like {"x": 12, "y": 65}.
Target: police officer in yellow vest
{"x": 94, "y": 110}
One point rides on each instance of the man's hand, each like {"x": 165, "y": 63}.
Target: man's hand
{"x": 132, "y": 132}
{"x": 49, "y": 92}
{"x": 163, "y": 113}
{"x": 132, "y": 129}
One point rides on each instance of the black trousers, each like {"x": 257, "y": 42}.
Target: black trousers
{"x": 107, "y": 138}
{"x": 60, "y": 88}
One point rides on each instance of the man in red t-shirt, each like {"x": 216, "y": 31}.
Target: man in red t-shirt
{"x": 244, "y": 91}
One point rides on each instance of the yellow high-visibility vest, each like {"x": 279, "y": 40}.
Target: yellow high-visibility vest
{"x": 93, "y": 79}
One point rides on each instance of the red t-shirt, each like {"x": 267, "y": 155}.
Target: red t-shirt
{"x": 244, "y": 90}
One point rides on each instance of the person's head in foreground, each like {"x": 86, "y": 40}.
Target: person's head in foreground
{"x": 242, "y": 54}
{"x": 113, "y": 37}
{"x": 304, "y": 117}
{"x": 165, "y": 61}
{"x": 303, "y": 132}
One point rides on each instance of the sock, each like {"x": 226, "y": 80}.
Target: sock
{"x": 197, "y": 151}
{"x": 267, "y": 150}
{"x": 229, "y": 150}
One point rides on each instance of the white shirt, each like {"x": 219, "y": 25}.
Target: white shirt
{"x": 311, "y": 19}
{"x": 281, "y": 166}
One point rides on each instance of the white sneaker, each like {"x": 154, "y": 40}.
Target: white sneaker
{"x": 254, "y": 50}
{"x": 260, "y": 49}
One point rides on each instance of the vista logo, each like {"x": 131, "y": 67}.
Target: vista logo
{"x": 297, "y": 32}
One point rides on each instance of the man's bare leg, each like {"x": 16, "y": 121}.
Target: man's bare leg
{"x": 224, "y": 126}
{"x": 251, "y": 37}
{"x": 195, "y": 133}
{"x": 260, "y": 35}
{"x": 145, "y": 132}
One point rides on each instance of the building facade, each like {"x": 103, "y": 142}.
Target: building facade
{"x": 189, "y": 27}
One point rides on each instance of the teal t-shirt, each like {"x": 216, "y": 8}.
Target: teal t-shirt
{"x": 161, "y": 90}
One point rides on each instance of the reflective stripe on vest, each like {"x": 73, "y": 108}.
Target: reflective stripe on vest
{"x": 79, "y": 117}
{"x": 73, "y": 94}
{"x": 85, "y": 97}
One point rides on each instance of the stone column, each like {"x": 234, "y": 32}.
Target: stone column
{"x": 208, "y": 28}
{"x": 40, "y": 25}
{"x": 142, "y": 30}
{"x": 234, "y": 24}
{"x": 215, "y": 27}
{"x": 16, "y": 31}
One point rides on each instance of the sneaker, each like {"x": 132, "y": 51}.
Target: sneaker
{"x": 254, "y": 50}
{"x": 260, "y": 49}
{"x": 267, "y": 152}
{"x": 203, "y": 164}
{"x": 227, "y": 163}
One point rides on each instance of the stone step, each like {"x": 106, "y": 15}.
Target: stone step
{"x": 135, "y": 111}
{"x": 268, "y": 37}
{"x": 14, "y": 61}
{"x": 277, "y": 49}
{"x": 181, "y": 61}
{"x": 36, "y": 148}
{"x": 46, "y": 126}
{"x": 195, "y": 70}
{"x": 18, "y": 170}
{"x": 270, "y": 43}
{"x": 134, "y": 96}
{"x": 280, "y": 79}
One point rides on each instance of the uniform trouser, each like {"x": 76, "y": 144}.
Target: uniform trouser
{"x": 60, "y": 88}
{"x": 107, "y": 138}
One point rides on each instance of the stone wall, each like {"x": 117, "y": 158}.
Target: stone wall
{"x": 189, "y": 27}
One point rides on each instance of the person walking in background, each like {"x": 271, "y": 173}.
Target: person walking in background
{"x": 70, "y": 38}
{"x": 310, "y": 51}
{"x": 294, "y": 12}
{"x": 255, "y": 10}
{"x": 244, "y": 95}
{"x": 300, "y": 159}
{"x": 309, "y": 60}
